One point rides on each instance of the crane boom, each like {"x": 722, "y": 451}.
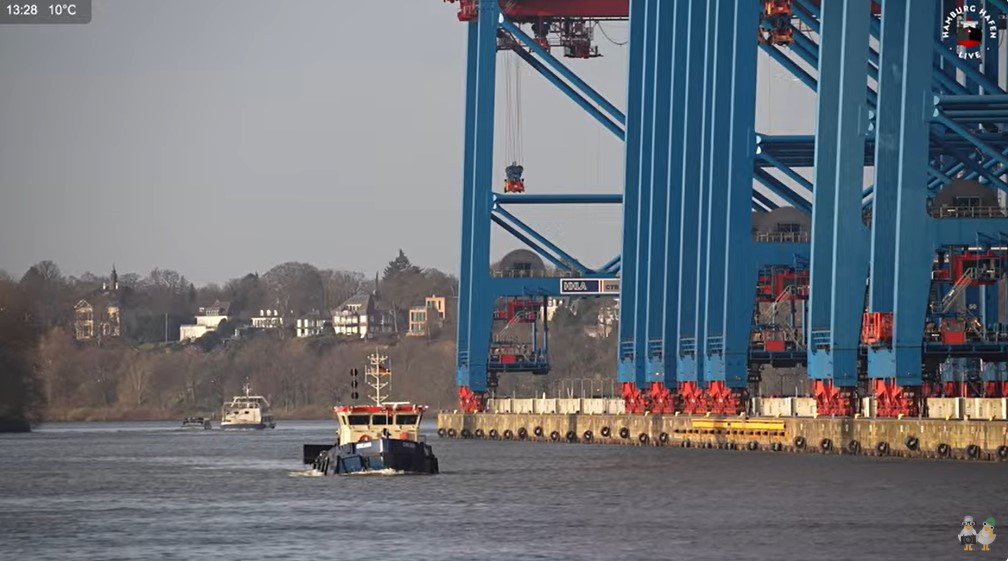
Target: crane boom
{"x": 522, "y": 11}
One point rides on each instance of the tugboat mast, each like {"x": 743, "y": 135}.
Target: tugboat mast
{"x": 378, "y": 376}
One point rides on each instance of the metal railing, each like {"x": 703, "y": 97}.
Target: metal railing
{"x": 529, "y": 274}
{"x": 770, "y": 237}
{"x": 968, "y": 212}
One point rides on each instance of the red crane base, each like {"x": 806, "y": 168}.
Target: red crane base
{"x": 960, "y": 389}
{"x": 634, "y": 399}
{"x": 661, "y": 400}
{"x": 724, "y": 400}
{"x": 833, "y": 400}
{"x": 694, "y": 398}
{"x": 470, "y": 401}
{"x": 996, "y": 389}
{"x": 892, "y": 400}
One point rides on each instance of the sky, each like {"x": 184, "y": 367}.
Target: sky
{"x": 221, "y": 138}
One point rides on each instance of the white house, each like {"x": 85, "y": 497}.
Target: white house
{"x": 313, "y": 324}
{"x": 268, "y": 319}
{"x": 209, "y": 319}
{"x": 353, "y": 316}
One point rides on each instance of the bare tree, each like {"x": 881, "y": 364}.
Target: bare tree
{"x": 339, "y": 286}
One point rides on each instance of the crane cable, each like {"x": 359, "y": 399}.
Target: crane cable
{"x": 512, "y": 109}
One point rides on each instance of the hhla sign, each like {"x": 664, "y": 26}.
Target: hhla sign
{"x": 968, "y": 24}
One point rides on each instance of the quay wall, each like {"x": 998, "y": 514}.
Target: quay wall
{"x": 940, "y": 438}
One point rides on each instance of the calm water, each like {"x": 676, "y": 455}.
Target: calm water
{"x": 148, "y": 491}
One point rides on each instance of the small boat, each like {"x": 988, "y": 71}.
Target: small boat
{"x": 380, "y": 438}
{"x": 201, "y": 423}
{"x": 247, "y": 412}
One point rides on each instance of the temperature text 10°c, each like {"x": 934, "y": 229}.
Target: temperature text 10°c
{"x": 33, "y": 9}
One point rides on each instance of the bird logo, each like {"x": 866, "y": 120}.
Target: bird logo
{"x": 986, "y": 535}
{"x": 968, "y": 535}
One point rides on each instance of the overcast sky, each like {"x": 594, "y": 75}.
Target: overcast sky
{"x": 219, "y": 138}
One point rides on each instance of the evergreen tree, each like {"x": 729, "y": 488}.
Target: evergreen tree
{"x": 400, "y": 265}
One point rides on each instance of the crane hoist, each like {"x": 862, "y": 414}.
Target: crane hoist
{"x": 513, "y": 181}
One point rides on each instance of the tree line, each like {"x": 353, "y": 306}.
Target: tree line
{"x": 45, "y": 371}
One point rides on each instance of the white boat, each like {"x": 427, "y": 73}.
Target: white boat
{"x": 247, "y": 412}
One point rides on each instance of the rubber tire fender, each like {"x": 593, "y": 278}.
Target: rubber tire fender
{"x": 441, "y": 432}
{"x": 538, "y": 432}
{"x": 882, "y": 448}
{"x": 944, "y": 450}
{"x": 643, "y": 438}
{"x": 606, "y": 432}
{"x": 854, "y": 447}
{"x": 493, "y": 434}
{"x": 587, "y": 436}
{"x": 973, "y": 451}
{"x": 1002, "y": 452}
{"x": 479, "y": 433}
{"x": 624, "y": 433}
{"x": 555, "y": 436}
{"x": 753, "y": 445}
{"x": 825, "y": 445}
{"x": 911, "y": 442}
{"x": 522, "y": 433}
{"x": 508, "y": 435}
{"x": 799, "y": 442}
{"x": 663, "y": 438}
{"x": 465, "y": 433}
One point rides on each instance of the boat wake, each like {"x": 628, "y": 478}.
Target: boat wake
{"x": 386, "y": 471}
{"x": 310, "y": 472}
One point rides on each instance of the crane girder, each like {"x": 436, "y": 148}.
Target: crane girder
{"x": 522, "y": 11}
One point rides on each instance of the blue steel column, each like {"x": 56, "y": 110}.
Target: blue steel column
{"x": 703, "y": 200}
{"x": 839, "y": 243}
{"x": 691, "y": 133}
{"x": 645, "y": 13}
{"x": 475, "y": 298}
{"x": 739, "y": 261}
{"x": 673, "y": 213}
{"x": 662, "y": 32}
{"x": 716, "y": 187}
{"x": 631, "y": 365}
{"x": 901, "y": 187}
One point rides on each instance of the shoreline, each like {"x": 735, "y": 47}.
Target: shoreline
{"x": 103, "y": 415}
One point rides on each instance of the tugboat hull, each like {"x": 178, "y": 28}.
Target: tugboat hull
{"x": 404, "y": 456}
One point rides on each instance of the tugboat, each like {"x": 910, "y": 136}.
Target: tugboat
{"x": 384, "y": 437}
{"x": 201, "y": 423}
{"x": 247, "y": 412}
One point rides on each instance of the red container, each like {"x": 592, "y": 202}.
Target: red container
{"x": 876, "y": 327}
{"x": 954, "y": 337}
{"x": 773, "y": 346}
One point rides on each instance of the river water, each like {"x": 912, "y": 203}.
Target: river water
{"x": 151, "y": 491}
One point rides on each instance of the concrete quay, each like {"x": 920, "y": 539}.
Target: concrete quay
{"x": 954, "y": 439}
